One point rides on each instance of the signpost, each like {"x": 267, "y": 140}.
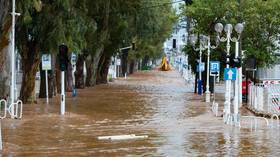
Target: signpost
{"x": 230, "y": 74}
{"x": 118, "y": 66}
{"x": 200, "y": 67}
{"x": 46, "y": 65}
{"x": 214, "y": 66}
{"x": 73, "y": 63}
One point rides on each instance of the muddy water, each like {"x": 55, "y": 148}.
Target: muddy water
{"x": 157, "y": 104}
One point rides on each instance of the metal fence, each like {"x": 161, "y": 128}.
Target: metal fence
{"x": 265, "y": 98}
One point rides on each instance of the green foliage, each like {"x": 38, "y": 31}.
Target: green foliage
{"x": 261, "y": 24}
{"x": 81, "y": 25}
{"x": 51, "y": 23}
{"x": 154, "y": 23}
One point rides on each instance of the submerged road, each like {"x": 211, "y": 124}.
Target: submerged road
{"x": 157, "y": 104}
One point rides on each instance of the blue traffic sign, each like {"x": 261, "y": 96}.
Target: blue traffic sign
{"x": 230, "y": 74}
{"x": 200, "y": 68}
{"x": 214, "y": 66}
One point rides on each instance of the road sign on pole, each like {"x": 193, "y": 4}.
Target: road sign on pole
{"x": 46, "y": 65}
{"x": 200, "y": 67}
{"x": 73, "y": 59}
{"x": 214, "y": 66}
{"x": 230, "y": 74}
{"x": 73, "y": 63}
{"x": 46, "y": 62}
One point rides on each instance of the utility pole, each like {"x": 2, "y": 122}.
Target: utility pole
{"x": 13, "y": 83}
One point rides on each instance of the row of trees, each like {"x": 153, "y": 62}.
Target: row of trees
{"x": 95, "y": 30}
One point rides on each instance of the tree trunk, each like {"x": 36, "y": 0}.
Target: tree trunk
{"x": 103, "y": 69}
{"x": 89, "y": 65}
{"x": 30, "y": 64}
{"x": 99, "y": 69}
{"x": 4, "y": 75}
{"x": 92, "y": 66}
{"x": 101, "y": 36}
{"x": 69, "y": 78}
{"x": 131, "y": 67}
{"x": 79, "y": 74}
{"x": 124, "y": 60}
{"x": 53, "y": 84}
{"x": 145, "y": 61}
{"x": 5, "y": 25}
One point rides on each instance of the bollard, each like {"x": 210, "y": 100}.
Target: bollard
{"x": 5, "y": 108}
{"x": 199, "y": 85}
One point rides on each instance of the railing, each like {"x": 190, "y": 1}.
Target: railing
{"x": 265, "y": 98}
{"x": 254, "y": 121}
{"x": 14, "y": 110}
{"x": 274, "y": 98}
{"x": 3, "y": 110}
{"x": 215, "y": 108}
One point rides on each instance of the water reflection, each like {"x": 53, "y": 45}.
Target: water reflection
{"x": 158, "y": 104}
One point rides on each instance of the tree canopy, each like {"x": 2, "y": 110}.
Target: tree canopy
{"x": 93, "y": 29}
{"x": 261, "y": 19}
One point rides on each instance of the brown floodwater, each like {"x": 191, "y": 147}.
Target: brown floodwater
{"x": 157, "y": 104}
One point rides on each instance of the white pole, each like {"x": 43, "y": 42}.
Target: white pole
{"x": 115, "y": 67}
{"x": 207, "y": 97}
{"x": 1, "y": 143}
{"x": 236, "y": 87}
{"x": 12, "y": 87}
{"x": 62, "y": 105}
{"x": 73, "y": 74}
{"x": 200, "y": 53}
{"x": 240, "y": 81}
{"x": 228, "y": 85}
{"x": 47, "y": 86}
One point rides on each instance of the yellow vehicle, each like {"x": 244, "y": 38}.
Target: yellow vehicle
{"x": 164, "y": 65}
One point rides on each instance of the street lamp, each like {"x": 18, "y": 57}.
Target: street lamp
{"x": 202, "y": 47}
{"x": 228, "y": 30}
{"x": 209, "y": 46}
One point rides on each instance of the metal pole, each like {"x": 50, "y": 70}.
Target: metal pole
{"x": 62, "y": 105}
{"x": 200, "y": 53}
{"x": 73, "y": 75}
{"x": 199, "y": 70}
{"x": 115, "y": 67}
{"x": 12, "y": 87}
{"x": 47, "y": 86}
{"x": 1, "y": 143}
{"x": 207, "y": 97}
{"x": 228, "y": 84}
{"x": 236, "y": 88}
{"x": 240, "y": 81}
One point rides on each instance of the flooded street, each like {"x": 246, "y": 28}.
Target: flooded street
{"x": 158, "y": 104}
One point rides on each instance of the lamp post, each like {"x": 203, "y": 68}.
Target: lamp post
{"x": 228, "y": 30}
{"x": 13, "y": 82}
{"x": 209, "y": 47}
{"x": 202, "y": 47}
